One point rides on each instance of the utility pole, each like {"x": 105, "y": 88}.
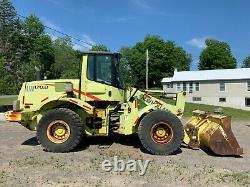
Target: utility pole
{"x": 147, "y": 59}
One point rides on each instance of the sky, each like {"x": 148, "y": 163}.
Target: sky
{"x": 117, "y": 23}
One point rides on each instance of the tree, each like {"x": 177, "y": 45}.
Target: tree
{"x": 33, "y": 27}
{"x": 7, "y": 85}
{"x": 125, "y": 66}
{"x": 164, "y": 56}
{"x": 44, "y": 51}
{"x": 28, "y": 69}
{"x": 40, "y": 46}
{"x": 12, "y": 41}
{"x": 246, "y": 62}
{"x": 67, "y": 61}
{"x": 217, "y": 55}
{"x": 99, "y": 47}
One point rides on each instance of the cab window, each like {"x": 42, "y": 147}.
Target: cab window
{"x": 100, "y": 68}
{"x": 103, "y": 69}
{"x": 91, "y": 67}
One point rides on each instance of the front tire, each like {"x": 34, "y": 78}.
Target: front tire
{"x": 60, "y": 130}
{"x": 161, "y": 132}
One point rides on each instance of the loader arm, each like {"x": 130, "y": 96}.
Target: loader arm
{"x": 140, "y": 103}
{"x": 146, "y": 99}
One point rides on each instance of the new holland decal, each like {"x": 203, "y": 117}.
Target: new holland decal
{"x": 33, "y": 88}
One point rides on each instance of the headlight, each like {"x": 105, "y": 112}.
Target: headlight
{"x": 69, "y": 87}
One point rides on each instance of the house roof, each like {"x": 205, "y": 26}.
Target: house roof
{"x": 167, "y": 79}
{"x": 221, "y": 74}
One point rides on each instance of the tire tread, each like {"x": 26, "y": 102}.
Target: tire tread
{"x": 76, "y": 123}
{"x": 147, "y": 118}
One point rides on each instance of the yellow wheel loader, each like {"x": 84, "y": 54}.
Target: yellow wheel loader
{"x": 63, "y": 112}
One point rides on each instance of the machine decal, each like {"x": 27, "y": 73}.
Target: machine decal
{"x": 72, "y": 101}
{"x": 87, "y": 95}
{"x": 33, "y": 88}
{"x": 28, "y": 103}
{"x": 86, "y": 107}
{"x": 147, "y": 98}
{"x": 44, "y": 99}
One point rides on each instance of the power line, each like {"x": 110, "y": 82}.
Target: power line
{"x": 56, "y": 35}
{"x": 65, "y": 34}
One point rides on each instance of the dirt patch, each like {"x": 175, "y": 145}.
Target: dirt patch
{"x": 24, "y": 163}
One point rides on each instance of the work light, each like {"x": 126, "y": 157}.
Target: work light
{"x": 69, "y": 87}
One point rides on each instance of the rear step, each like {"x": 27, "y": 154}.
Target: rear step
{"x": 114, "y": 121}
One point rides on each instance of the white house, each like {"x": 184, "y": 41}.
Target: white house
{"x": 225, "y": 87}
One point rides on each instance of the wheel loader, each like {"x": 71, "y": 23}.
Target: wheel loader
{"x": 65, "y": 111}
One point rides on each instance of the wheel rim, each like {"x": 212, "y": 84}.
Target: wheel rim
{"x": 58, "y": 131}
{"x": 161, "y": 133}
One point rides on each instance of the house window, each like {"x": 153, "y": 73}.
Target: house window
{"x": 178, "y": 86}
{"x": 247, "y": 101}
{"x": 196, "y": 98}
{"x": 169, "y": 85}
{"x": 190, "y": 87}
{"x": 248, "y": 85}
{"x": 197, "y": 86}
{"x": 222, "y": 87}
{"x": 222, "y": 100}
{"x": 184, "y": 86}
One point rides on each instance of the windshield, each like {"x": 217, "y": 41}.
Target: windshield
{"x": 104, "y": 69}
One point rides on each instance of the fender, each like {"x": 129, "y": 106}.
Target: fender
{"x": 35, "y": 116}
{"x": 143, "y": 112}
{"x": 86, "y": 106}
{"x": 53, "y": 102}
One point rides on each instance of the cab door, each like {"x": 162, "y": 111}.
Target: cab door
{"x": 100, "y": 78}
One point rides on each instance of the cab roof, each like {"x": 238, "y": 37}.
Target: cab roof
{"x": 100, "y": 52}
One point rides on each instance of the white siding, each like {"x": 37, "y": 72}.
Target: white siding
{"x": 209, "y": 91}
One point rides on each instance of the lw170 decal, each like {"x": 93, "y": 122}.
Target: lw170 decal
{"x": 33, "y": 88}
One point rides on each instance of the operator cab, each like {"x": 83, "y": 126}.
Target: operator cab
{"x": 101, "y": 75}
{"x": 103, "y": 67}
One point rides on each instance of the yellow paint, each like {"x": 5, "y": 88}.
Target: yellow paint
{"x": 205, "y": 126}
{"x": 160, "y": 132}
{"x": 102, "y": 114}
{"x": 87, "y": 92}
{"x": 60, "y": 131}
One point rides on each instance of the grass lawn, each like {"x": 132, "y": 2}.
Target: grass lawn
{"x": 7, "y": 100}
{"x": 234, "y": 113}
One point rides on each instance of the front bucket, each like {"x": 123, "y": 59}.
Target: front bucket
{"x": 207, "y": 130}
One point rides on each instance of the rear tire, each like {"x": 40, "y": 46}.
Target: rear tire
{"x": 161, "y": 132}
{"x": 60, "y": 130}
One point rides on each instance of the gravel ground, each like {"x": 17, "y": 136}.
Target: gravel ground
{"x": 24, "y": 163}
